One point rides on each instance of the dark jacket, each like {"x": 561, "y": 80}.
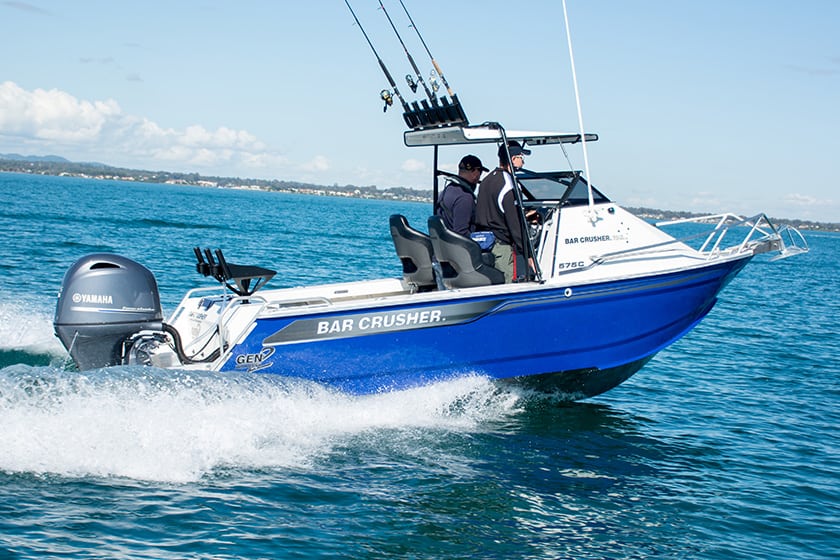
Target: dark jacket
{"x": 456, "y": 207}
{"x": 496, "y": 209}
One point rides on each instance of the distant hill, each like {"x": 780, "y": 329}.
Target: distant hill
{"x": 57, "y": 165}
{"x": 50, "y": 159}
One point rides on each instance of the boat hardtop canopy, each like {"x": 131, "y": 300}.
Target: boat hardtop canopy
{"x": 488, "y": 133}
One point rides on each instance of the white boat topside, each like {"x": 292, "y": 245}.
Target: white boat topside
{"x": 579, "y": 250}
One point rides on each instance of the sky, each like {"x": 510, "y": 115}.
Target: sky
{"x": 711, "y": 106}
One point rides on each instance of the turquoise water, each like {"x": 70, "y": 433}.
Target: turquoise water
{"x": 724, "y": 446}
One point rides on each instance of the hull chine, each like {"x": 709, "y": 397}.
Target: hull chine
{"x": 578, "y": 384}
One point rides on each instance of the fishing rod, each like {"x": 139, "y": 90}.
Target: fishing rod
{"x": 411, "y": 83}
{"x": 386, "y": 96}
{"x": 434, "y": 62}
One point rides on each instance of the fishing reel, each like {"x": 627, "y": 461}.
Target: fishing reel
{"x": 433, "y": 81}
{"x": 386, "y": 96}
{"x": 411, "y": 83}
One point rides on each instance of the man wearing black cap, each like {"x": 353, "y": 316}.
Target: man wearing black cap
{"x": 456, "y": 205}
{"x": 496, "y": 211}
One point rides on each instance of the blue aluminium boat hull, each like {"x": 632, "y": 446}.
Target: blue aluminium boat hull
{"x": 581, "y": 341}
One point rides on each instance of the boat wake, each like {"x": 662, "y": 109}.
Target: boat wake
{"x": 26, "y": 337}
{"x": 160, "y": 425}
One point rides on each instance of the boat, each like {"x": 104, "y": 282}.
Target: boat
{"x": 608, "y": 291}
{"x": 611, "y": 290}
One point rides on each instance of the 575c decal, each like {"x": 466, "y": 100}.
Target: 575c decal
{"x": 570, "y": 265}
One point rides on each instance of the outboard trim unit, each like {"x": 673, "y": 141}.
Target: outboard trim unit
{"x": 104, "y": 299}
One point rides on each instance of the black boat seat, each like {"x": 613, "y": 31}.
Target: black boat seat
{"x": 414, "y": 248}
{"x": 460, "y": 258}
{"x": 246, "y": 279}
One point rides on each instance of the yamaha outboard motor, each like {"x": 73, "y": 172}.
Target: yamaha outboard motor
{"x": 104, "y": 299}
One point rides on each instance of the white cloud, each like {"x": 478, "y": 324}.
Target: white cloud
{"x": 644, "y": 202}
{"x": 797, "y": 199}
{"x": 51, "y": 115}
{"x": 413, "y": 165}
{"x": 57, "y": 121}
{"x": 26, "y": 7}
{"x": 222, "y": 137}
{"x": 316, "y": 164}
{"x": 705, "y": 200}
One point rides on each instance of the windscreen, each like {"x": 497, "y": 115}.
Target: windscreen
{"x": 567, "y": 187}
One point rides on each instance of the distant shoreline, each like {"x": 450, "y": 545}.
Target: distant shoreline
{"x": 56, "y": 166}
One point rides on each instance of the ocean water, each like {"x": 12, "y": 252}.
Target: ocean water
{"x": 724, "y": 446}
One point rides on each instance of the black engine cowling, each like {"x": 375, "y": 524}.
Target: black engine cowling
{"x": 104, "y": 299}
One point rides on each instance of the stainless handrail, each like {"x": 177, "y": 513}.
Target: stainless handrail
{"x": 773, "y": 238}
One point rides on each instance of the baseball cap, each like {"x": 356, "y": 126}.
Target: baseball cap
{"x": 470, "y": 163}
{"x": 515, "y": 149}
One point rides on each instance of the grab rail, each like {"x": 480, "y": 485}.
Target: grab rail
{"x": 227, "y": 312}
{"x": 773, "y": 239}
{"x": 299, "y": 302}
{"x": 229, "y": 308}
